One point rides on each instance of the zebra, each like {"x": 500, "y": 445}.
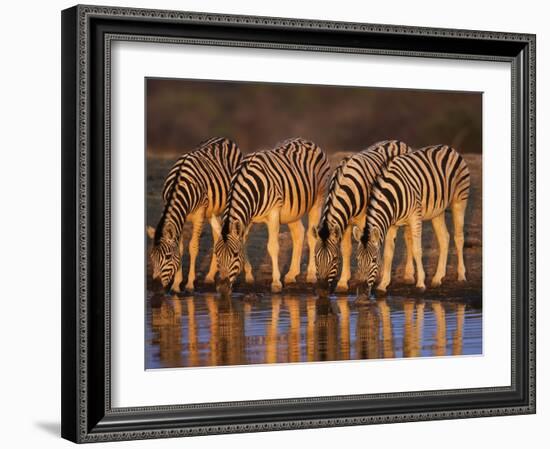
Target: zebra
{"x": 196, "y": 188}
{"x": 414, "y": 187}
{"x": 346, "y": 206}
{"x": 277, "y": 186}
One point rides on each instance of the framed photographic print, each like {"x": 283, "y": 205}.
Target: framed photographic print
{"x": 267, "y": 222}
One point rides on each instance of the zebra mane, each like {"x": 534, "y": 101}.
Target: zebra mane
{"x": 168, "y": 198}
{"x": 285, "y": 142}
{"x": 365, "y": 236}
{"x": 324, "y": 231}
{"x": 160, "y": 228}
{"x": 159, "y": 231}
{"x": 171, "y": 183}
{"x": 173, "y": 173}
{"x": 375, "y": 186}
{"x": 336, "y": 175}
{"x": 208, "y": 142}
{"x": 171, "y": 176}
{"x": 246, "y": 159}
{"x": 225, "y": 230}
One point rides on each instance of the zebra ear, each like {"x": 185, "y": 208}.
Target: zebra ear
{"x": 150, "y": 232}
{"x": 357, "y": 234}
{"x": 376, "y": 234}
{"x": 170, "y": 233}
{"x": 236, "y": 228}
{"x": 315, "y": 232}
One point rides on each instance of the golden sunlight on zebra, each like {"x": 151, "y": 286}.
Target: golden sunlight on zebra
{"x": 346, "y": 206}
{"x": 413, "y": 188}
{"x": 298, "y": 234}
{"x": 369, "y": 195}
{"x": 274, "y": 187}
{"x": 195, "y": 190}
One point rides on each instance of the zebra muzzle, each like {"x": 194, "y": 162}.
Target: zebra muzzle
{"x": 156, "y": 285}
{"x": 223, "y": 287}
{"x": 323, "y": 288}
{"x": 363, "y": 290}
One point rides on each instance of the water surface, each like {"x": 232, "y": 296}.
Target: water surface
{"x": 204, "y": 330}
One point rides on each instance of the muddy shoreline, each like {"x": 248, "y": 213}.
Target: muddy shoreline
{"x": 451, "y": 291}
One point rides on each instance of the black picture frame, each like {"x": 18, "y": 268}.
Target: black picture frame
{"x": 87, "y": 414}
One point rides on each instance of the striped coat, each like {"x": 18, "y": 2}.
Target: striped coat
{"x": 196, "y": 189}
{"x": 346, "y": 206}
{"x": 274, "y": 187}
{"x": 415, "y": 187}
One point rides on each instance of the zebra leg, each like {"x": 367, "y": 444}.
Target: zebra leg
{"x": 248, "y": 276}
{"x": 313, "y": 220}
{"x": 442, "y": 235}
{"x": 409, "y": 265}
{"x": 178, "y": 278}
{"x": 216, "y": 231}
{"x": 297, "y": 234}
{"x": 346, "y": 245}
{"x": 197, "y": 220}
{"x": 416, "y": 228}
{"x": 389, "y": 248}
{"x": 459, "y": 209}
{"x": 273, "y": 225}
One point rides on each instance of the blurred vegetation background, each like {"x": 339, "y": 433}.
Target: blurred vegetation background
{"x": 182, "y": 113}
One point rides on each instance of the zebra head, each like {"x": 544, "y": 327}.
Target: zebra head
{"x": 368, "y": 258}
{"x": 229, "y": 252}
{"x": 165, "y": 257}
{"x": 327, "y": 256}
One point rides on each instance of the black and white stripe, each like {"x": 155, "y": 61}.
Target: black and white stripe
{"x": 346, "y": 205}
{"x": 274, "y": 187}
{"x": 196, "y": 188}
{"x": 414, "y": 187}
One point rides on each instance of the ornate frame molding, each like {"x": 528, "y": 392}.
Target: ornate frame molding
{"x": 77, "y": 153}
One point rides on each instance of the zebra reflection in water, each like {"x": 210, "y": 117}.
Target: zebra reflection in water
{"x": 204, "y": 330}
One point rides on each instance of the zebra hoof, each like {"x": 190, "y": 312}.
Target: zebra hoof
{"x": 421, "y": 288}
{"x": 290, "y": 279}
{"x": 189, "y": 289}
{"x": 381, "y": 292}
{"x": 408, "y": 280}
{"x": 436, "y": 283}
{"x": 462, "y": 278}
{"x": 249, "y": 280}
{"x": 209, "y": 280}
{"x": 276, "y": 287}
{"x": 311, "y": 279}
{"x": 341, "y": 288}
